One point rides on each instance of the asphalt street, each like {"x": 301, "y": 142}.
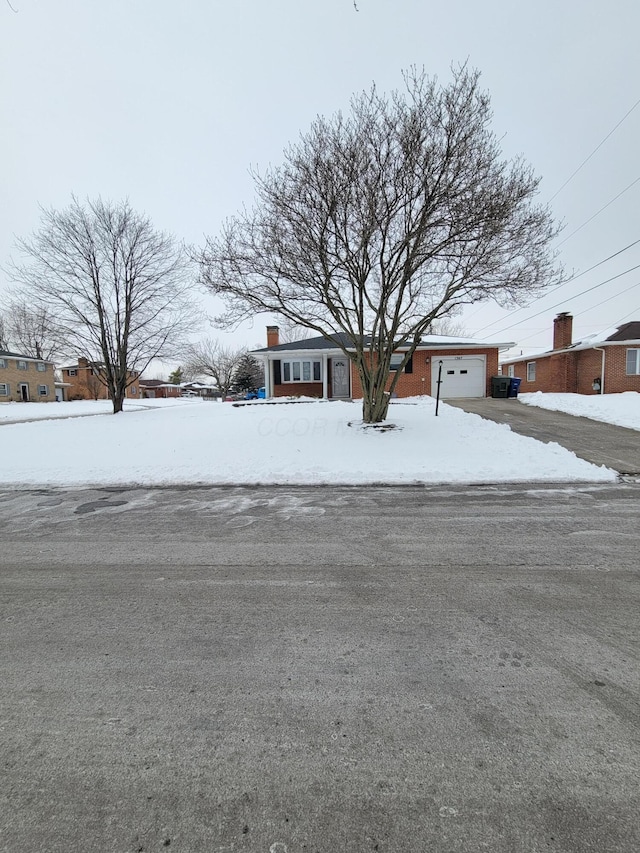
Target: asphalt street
{"x": 328, "y": 669}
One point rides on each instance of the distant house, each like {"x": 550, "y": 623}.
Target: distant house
{"x": 84, "y": 381}
{"x": 317, "y": 367}
{"x": 24, "y": 379}
{"x": 199, "y": 389}
{"x": 605, "y": 363}
{"x": 157, "y": 388}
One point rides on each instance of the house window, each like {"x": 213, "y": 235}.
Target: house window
{"x": 41, "y": 367}
{"x": 73, "y": 371}
{"x": 21, "y": 365}
{"x": 43, "y": 390}
{"x": 4, "y": 389}
{"x": 134, "y": 390}
{"x": 3, "y": 362}
{"x": 531, "y": 371}
{"x": 396, "y": 360}
{"x": 302, "y": 371}
{"x": 511, "y": 371}
{"x": 633, "y": 362}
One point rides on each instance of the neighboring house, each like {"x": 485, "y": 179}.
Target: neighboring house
{"x": 199, "y": 389}
{"x": 84, "y": 381}
{"x": 157, "y": 388}
{"x": 605, "y": 363}
{"x": 317, "y": 367}
{"x": 23, "y": 378}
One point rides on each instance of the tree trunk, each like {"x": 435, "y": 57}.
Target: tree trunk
{"x": 118, "y": 401}
{"x": 375, "y": 408}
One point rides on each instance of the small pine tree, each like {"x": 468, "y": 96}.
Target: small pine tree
{"x": 175, "y": 378}
{"x": 249, "y": 375}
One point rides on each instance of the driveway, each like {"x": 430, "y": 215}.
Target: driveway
{"x": 367, "y": 670}
{"x": 603, "y": 444}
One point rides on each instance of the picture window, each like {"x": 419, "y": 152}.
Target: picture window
{"x": 304, "y": 370}
{"x": 633, "y": 362}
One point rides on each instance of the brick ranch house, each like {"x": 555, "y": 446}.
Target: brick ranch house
{"x": 156, "y": 388}
{"x": 23, "y": 378}
{"x": 83, "y": 381}
{"x": 604, "y": 363}
{"x": 317, "y": 367}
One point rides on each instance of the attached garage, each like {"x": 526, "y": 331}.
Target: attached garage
{"x": 462, "y": 376}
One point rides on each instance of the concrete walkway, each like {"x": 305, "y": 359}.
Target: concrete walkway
{"x": 597, "y": 442}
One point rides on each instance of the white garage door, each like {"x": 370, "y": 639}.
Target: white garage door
{"x": 462, "y": 376}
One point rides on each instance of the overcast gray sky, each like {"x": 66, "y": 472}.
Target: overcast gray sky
{"x": 170, "y": 103}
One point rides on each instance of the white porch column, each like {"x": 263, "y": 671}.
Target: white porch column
{"x": 268, "y": 381}
{"x": 325, "y": 376}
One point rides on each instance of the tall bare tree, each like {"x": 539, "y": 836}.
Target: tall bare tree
{"x": 210, "y": 358}
{"x": 4, "y": 340}
{"x": 33, "y": 330}
{"x": 118, "y": 291}
{"x": 291, "y": 332}
{"x": 381, "y": 221}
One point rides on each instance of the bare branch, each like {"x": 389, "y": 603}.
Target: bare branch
{"x": 113, "y": 289}
{"x": 382, "y": 221}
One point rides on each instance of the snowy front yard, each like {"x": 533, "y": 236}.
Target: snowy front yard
{"x": 157, "y": 442}
{"x": 620, "y": 409}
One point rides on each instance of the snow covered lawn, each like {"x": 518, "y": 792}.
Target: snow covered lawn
{"x": 193, "y": 442}
{"x": 620, "y": 409}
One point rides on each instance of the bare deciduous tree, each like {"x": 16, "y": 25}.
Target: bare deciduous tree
{"x": 382, "y": 221}
{"x": 33, "y": 330}
{"x": 4, "y": 340}
{"x": 291, "y": 332}
{"x": 449, "y": 327}
{"x": 118, "y": 290}
{"x": 210, "y": 358}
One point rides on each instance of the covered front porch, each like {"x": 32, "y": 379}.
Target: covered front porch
{"x": 325, "y": 374}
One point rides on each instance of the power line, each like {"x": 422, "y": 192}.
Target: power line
{"x": 586, "y": 310}
{"x": 575, "y": 296}
{"x": 562, "y": 284}
{"x": 596, "y": 149}
{"x": 633, "y": 183}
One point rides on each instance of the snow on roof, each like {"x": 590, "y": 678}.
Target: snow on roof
{"x": 342, "y": 339}
{"x": 627, "y": 333}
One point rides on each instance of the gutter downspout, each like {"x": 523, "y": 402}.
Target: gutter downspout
{"x": 604, "y": 352}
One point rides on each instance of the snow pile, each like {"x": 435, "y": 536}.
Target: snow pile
{"x": 288, "y": 443}
{"x": 619, "y": 409}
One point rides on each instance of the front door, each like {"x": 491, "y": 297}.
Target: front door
{"x": 24, "y": 392}
{"x": 340, "y": 377}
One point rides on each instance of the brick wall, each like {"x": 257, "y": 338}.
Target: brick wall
{"x": 409, "y": 385}
{"x": 88, "y": 386}
{"x": 295, "y": 389}
{"x": 574, "y": 372}
{"x": 419, "y": 380}
{"x": 31, "y": 377}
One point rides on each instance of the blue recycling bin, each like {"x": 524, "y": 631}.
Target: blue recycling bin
{"x": 513, "y": 386}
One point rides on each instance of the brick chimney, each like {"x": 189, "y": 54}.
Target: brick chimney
{"x": 82, "y": 362}
{"x": 562, "y": 330}
{"x": 273, "y": 336}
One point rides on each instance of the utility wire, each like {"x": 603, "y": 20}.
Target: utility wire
{"x": 586, "y": 310}
{"x": 633, "y": 183}
{"x": 575, "y": 296}
{"x": 596, "y": 149}
{"x": 562, "y": 284}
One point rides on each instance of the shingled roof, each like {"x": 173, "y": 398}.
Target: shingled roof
{"x": 627, "y": 332}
